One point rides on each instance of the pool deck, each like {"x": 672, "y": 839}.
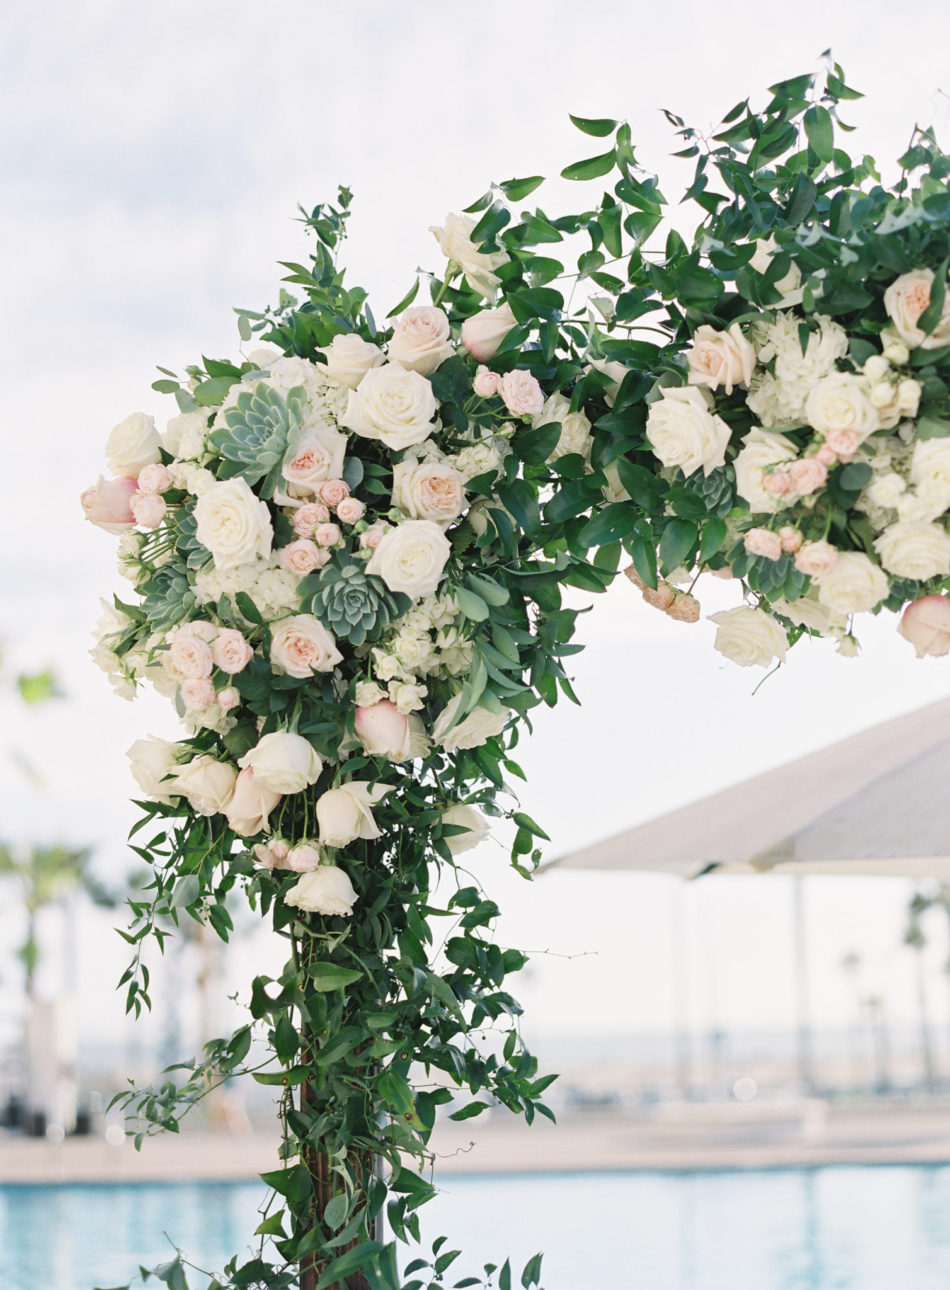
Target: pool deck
{"x": 674, "y": 1137}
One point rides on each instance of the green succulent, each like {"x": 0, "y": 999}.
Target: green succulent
{"x": 254, "y": 435}
{"x": 717, "y": 489}
{"x": 352, "y": 604}
{"x": 167, "y": 597}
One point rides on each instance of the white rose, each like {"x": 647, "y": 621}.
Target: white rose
{"x": 428, "y": 490}
{"x": 344, "y": 814}
{"x": 480, "y": 724}
{"x": 808, "y": 612}
{"x": 326, "y": 890}
{"x": 761, "y": 449}
{"x": 455, "y": 242}
{"x": 840, "y": 401}
{"x": 906, "y": 299}
{"x": 886, "y": 490}
{"x": 349, "y": 357}
{"x": 368, "y": 693}
{"x": 483, "y": 333}
{"x": 208, "y": 784}
{"x": 720, "y": 358}
{"x": 420, "y": 340}
{"x": 411, "y": 558}
{"x": 854, "y": 585}
{"x": 152, "y": 762}
{"x": 749, "y": 637}
{"x": 233, "y": 524}
{"x": 316, "y": 457}
{"x": 683, "y": 432}
{"x": 283, "y": 762}
{"x": 133, "y": 443}
{"x": 185, "y": 435}
{"x": 393, "y": 405}
{"x": 301, "y": 645}
{"x": 930, "y": 471}
{"x": 915, "y": 550}
{"x": 465, "y": 817}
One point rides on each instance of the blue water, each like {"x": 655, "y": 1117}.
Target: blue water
{"x": 835, "y": 1228}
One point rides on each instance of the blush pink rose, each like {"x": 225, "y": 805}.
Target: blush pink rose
{"x": 197, "y": 694}
{"x": 483, "y": 333}
{"x": 826, "y": 455}
{"x": 763, "y": 542}
{"x": 148, "y": 510}
{"x": 371, "y": 538}
{"x": 420, "y": 340}
{"x": 310, "y": 516}
{"x": 926, "y": 624}
{"x": 350, "y": 510}
{"x": 300, "y": 557}
{"x": 486, "y": 383}
{"x": 807, "y": 475}
{"x": 522, "y": 394}
{"x": 228, "y": 698}
{"x": 816, "y": 559}
{"x": 250, "y": 806}
{"x": 333, "y": 491}
{"x": 231, "y": 652}
{"x": 384, "y": 730}
{"x": 843, "y": 441}
{"x": 327, "y": 535}
{"x": 154, "y": 478}
{"x": 790, "y": 538}
{"x": 303, "y": 858}
{"x": 188, "y": 657}
{"x": 777, "y": 483}
{"x": 108, "y": 503}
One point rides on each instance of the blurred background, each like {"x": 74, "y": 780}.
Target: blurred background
{"x": 153, "y": 159}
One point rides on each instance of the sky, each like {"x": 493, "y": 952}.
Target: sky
{"x": 152, "y": 161}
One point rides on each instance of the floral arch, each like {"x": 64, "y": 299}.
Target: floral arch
{"x": 348, "y": 551}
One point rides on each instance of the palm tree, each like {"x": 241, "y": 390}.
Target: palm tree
{"x": 914, "y": 938}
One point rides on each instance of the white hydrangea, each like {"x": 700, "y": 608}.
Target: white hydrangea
{"x": 275, "y": 593}
{"x": 211, "y": 583}
{"x": 778, "y": 397}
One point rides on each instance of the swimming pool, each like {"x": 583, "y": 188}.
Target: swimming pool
{"x": 834, "y": 1228}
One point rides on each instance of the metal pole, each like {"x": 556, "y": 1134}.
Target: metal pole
{"x": 804, "y": 1046}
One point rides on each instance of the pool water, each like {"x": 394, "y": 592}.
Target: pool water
{"x": 835, "y": 1228}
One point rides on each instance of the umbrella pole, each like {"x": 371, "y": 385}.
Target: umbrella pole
{"x": 803, "y": 1028}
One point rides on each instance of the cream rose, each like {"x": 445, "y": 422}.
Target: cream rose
{"x": 816, "y": 558}
{"x": 749, "y": 637}
{"x": 301, "y": 645}
{"x": 283, "y": 762}
{"x": 467, "y": 818}
{"x": 250, "y": 807}
{"x": 230, "y": 651}
{"x": 233, "y": 524}
{"x": 840, "y": 401}
{"x": 153, "y": 762}
{"x": 521, "y": 393}
{"x": 393, "y": 405}
{"x": 723, "y": 358}
{"x": 345, "y": 813}
{"x": 420, "y": 340}
{"x": 760, "y": 450}
{"x": 472, "y": 731}
{"x": 683, "y": 432}
{"x": 428, "y": 490}
{"x": 926, "y": 624}
{"x": 133, "y": 444}
{"x": 915, "y": 549}
{"x": 930, "y": 473}
{"x": 349, "y": 357}
{"x": 411, "y": 558}
{"x": 326, "y": 890}
{"x": 317, "y": 457}
{"x": 483, "y": 333}
{"x": 455, "y": 242}
{"x": 809, "y": 612}
{"x": 906, "y": 299}
{"x": 208, "y": 784}
{"x": 383, "y": 730}
{"x": 854, "y": 585}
